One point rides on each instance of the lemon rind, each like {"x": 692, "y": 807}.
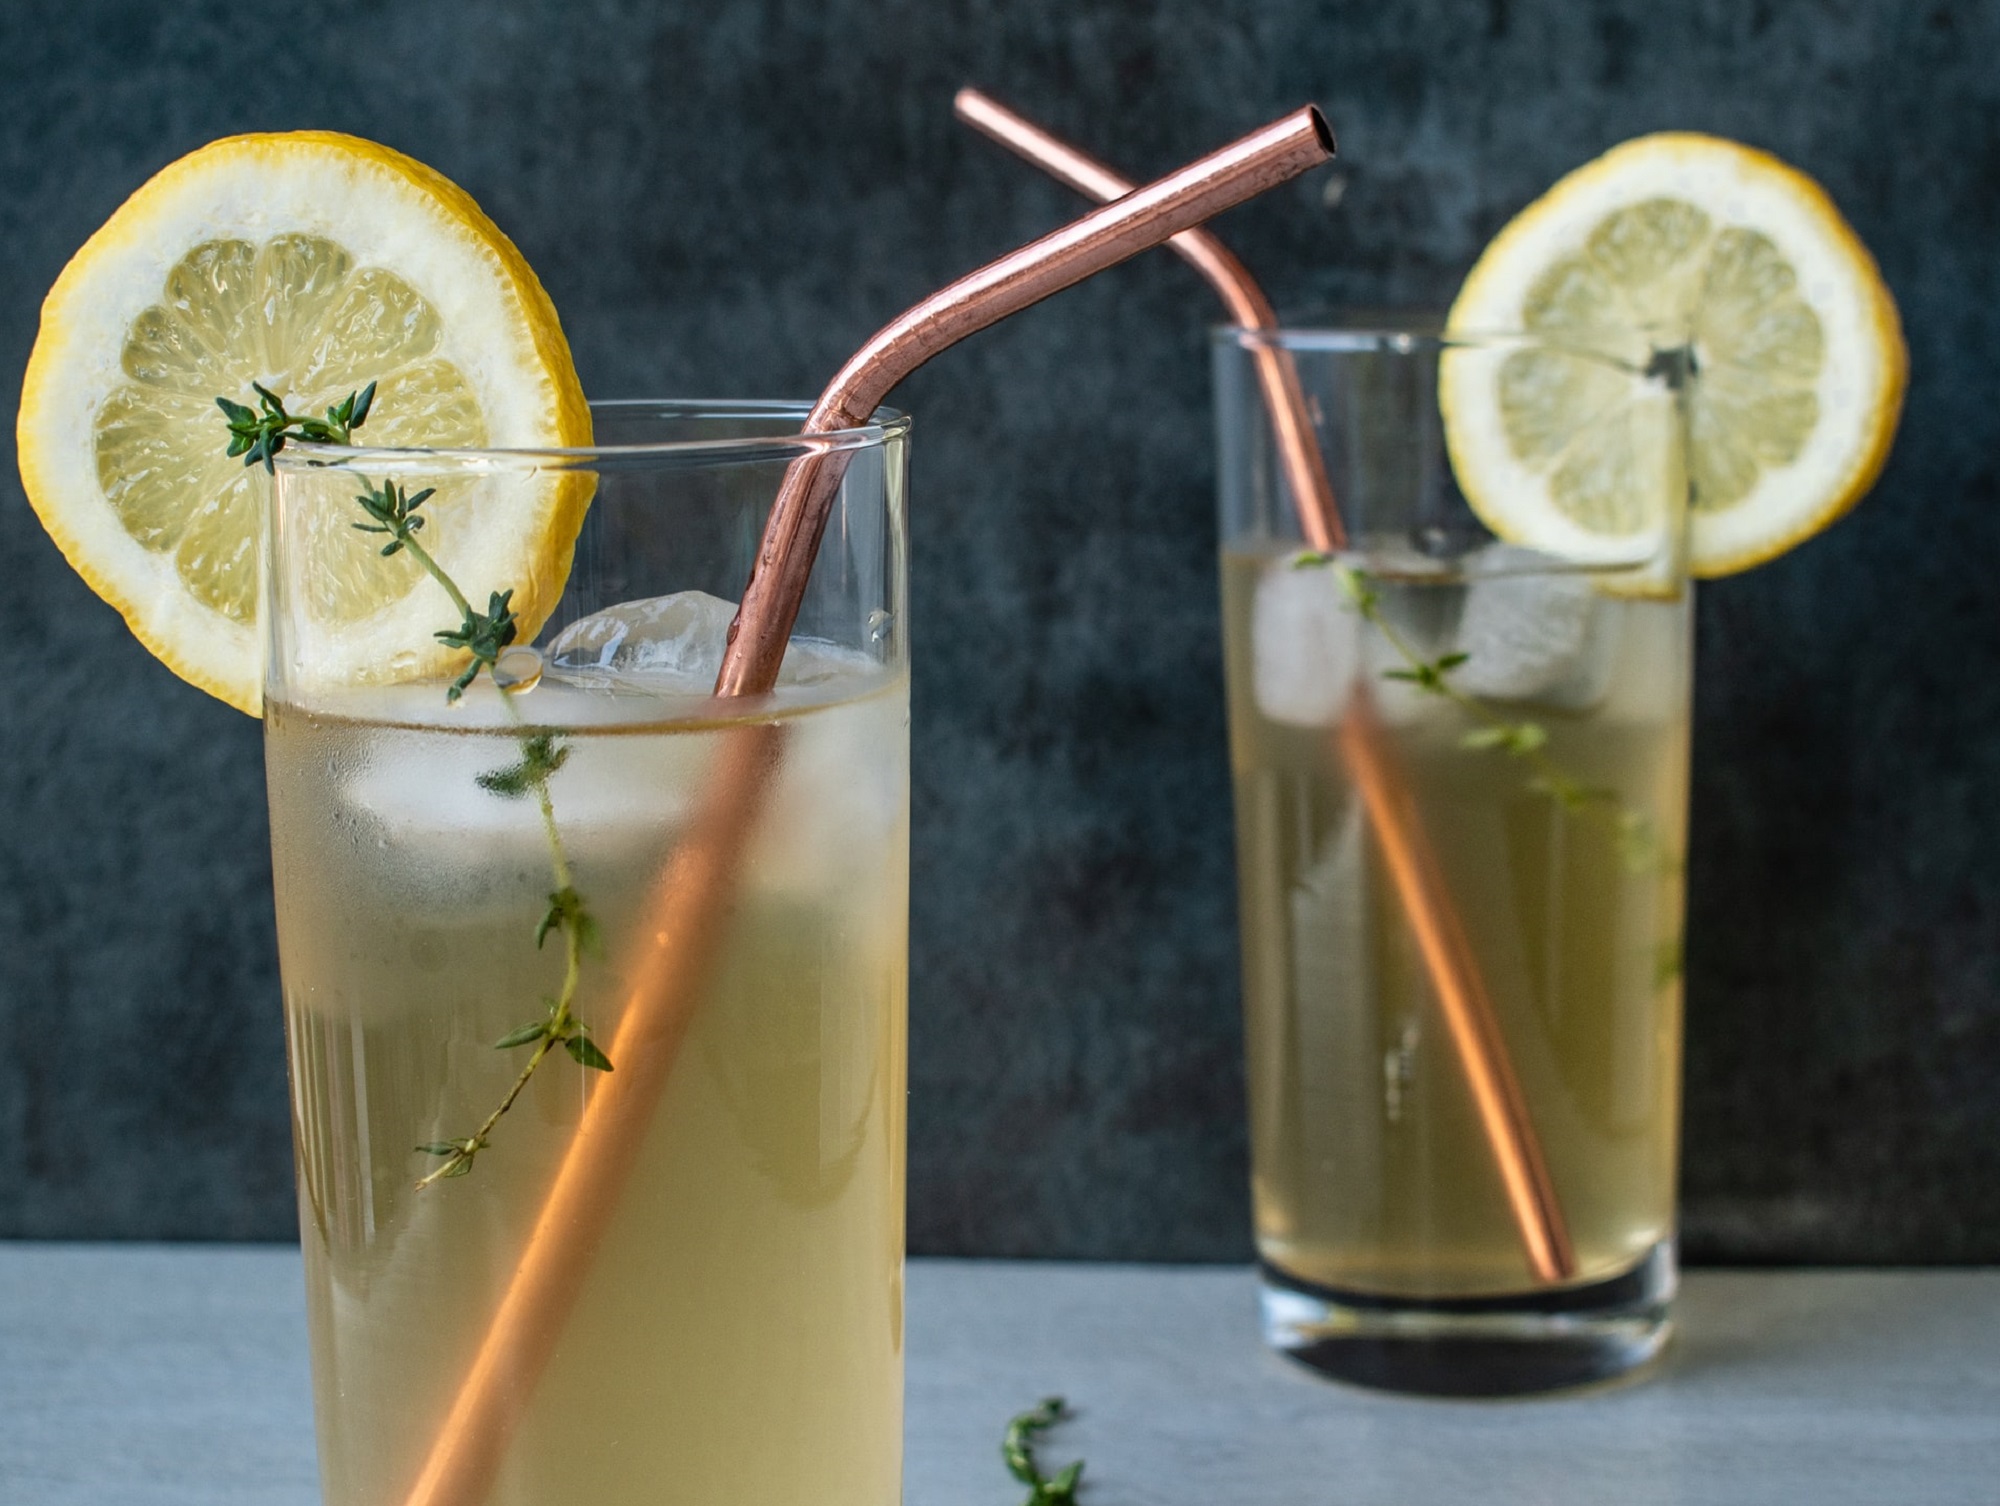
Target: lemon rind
{"x": 74, "y": 364}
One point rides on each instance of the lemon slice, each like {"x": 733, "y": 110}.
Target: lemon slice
{"x": 1698, "y": 326}
{"x": 313, "y": 263}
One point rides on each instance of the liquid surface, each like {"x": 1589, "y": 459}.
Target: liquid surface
{"x": 737, "y": 1336}
{"x": 1371, "y": 1172}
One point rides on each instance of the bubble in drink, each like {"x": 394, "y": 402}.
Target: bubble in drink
{"x": 518, "y": 669}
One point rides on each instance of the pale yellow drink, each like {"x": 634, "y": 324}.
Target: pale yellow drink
{"x": 738, "y": 1334}
{"x": 1371, "y": 1172}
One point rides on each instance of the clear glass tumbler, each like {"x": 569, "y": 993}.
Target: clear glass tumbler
{"x": 595, "y": 984}
{"x": 1461, "y": 774}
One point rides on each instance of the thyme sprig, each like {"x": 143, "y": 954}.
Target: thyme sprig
{"x": 1632, "y": 832}
{"x": 1017, "y": 1449}
{"x": 394, "y": 512}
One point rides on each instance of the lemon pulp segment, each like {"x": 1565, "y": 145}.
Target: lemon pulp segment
{"x": 295, "y": 311}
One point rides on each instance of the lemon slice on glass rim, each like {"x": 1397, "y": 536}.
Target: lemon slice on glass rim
{"x": 1683, "y": 323}
{"x": 312, "y": 263}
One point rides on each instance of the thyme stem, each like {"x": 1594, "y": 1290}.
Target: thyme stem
{"x": 436, "y": 571}
{"x": 539, "y": 759}
{"x": 558, "y": 859}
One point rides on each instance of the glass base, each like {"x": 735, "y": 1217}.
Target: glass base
{"x": 1512, "y": 1345}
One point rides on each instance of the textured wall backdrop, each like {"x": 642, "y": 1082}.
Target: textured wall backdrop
{"x": 724, "y": 200}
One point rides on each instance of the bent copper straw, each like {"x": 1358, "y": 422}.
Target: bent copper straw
{"x": 1467, "y": 1008}
{"x": 692, "y": 900}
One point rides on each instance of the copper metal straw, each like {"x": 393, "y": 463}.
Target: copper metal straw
{"x": 1284, "y": 398}
{"x": 692, "y": 902}
{"x": 1141, "y": 218}
{"x": 1467, "y": 1008}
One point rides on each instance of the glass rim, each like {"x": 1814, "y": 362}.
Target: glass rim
{"x": 1403, "y": 333}
{"x": 884, "y": 425}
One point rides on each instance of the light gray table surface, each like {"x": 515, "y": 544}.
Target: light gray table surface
{"x": 170, "y": 1376}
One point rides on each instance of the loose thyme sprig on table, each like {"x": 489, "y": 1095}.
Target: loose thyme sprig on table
{"x": 393, "y": 512}
{"x": 1017, "y": 1449}
{"x": 1632, "y": 832}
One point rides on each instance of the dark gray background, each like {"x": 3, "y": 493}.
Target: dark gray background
{"x": 725, "y": 200}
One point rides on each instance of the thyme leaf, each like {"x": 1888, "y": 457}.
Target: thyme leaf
{"x": 258, "y": 437}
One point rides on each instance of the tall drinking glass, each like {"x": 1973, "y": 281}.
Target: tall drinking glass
{"x": 1461, "y": 776}
{"x": 671, "y": 1269}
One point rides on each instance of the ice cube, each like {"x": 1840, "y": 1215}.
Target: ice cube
{"x": 1541, "y": 637}
{"x": 674, "y": 638}
{"x": 675, "y": 643}
{"x": 1305, "y": 645}
{"x": 422, "y": 787}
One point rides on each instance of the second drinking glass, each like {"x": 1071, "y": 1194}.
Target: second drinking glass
{"x": 1461, "y": 790}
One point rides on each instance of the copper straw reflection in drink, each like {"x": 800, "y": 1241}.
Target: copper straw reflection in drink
{"x": 692, "y": 902}
{"x": 1470, "y": 1019}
